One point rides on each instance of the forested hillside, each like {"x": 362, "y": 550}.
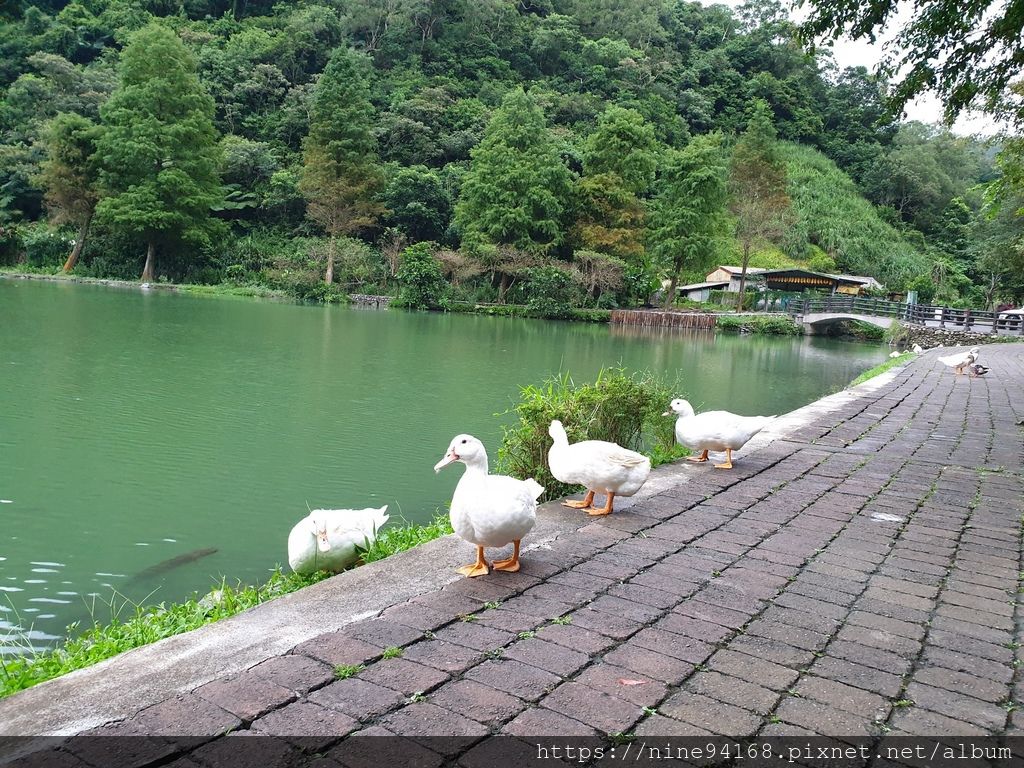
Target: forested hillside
{"x": 568, "y": 152}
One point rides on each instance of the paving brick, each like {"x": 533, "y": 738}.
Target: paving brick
{"x": 605, "y": 624}
{"x": 732, "y": 690}
{"x": 857, "y": 675}
{"x": 877, "y": 638}
{"x": 357, "y": 698}
{"x": 661, "y": 726}
{"x": 478, "y": 702}
{"x": 447, "y": 657}
{"x": 869, "y": 706}
{"x": 338, "y": 648}
{"x": 247, "y": 696}
{"x": 971, "y": 646}
{"x": 962, "y": 682}
{"x": 422, "y": 720}
{"x": 294, "y": 672}
{"x": 962, "y": 662}
{"x": 681, "y": 624}
{"x": 576, "y": 638}
{"x": 771, "y": 650}
{"x": 763, "y": 673}
{"x": 790, "y": 635}
{"x": 406, "y": 677}
{"x": 545, "y": 722}
{"x": 623, "y": 684}
{"x": 551, "y": 657}
{"x": 920, "y": 722}
{"x": 310, "y": 725}
{"x": 246, "y": 748}
{"x": 627, "y": 609}
{"x": 509, "y": 621}
{"x": 711, "y": 715}
{"x": 187, "y": 715}
{"x": 981, "y": 713}
{"x": 474, "y": 635}
{"x": 714, "y": 614}
{"x": 522, "y": 680}
{"x": 821, "y": 718}
{"x": 511, "y": 752}
{"x": 869, "y": 656}
{"x": 650, "y": 663}
{"x": 382, "y": 633}
{"x": 541, "y": 609}
{"x": 418, "y": 616}
{"x": 366, "y": 749}
{"x": 593, "y": 707}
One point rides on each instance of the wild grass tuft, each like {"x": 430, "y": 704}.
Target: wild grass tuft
{"x": 619, "y": 407}
{"x": 881, "y": 368}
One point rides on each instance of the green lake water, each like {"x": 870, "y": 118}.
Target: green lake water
{"x": 137, "y": 426}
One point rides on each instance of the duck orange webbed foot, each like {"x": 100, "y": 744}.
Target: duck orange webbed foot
{"x": 605, "y": 510}
{"x": 510, "y": 564}
{"x": 696, "y": 459}
{"x": 728, "y": 460}
{"x": 584, "y": 504}
{"x": 479, "y": 568}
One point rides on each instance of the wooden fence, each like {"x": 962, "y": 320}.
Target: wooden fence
{"x": 654, "y": 318}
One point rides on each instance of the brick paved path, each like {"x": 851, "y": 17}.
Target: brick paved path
{"x": 858, "y": 578}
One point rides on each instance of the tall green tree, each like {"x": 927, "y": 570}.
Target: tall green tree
{"x": 159, "y": 153}
{"x": 69, "y": 176}
{"x": 515, "y": 192}
{"x": 757, "y": 186}
{"x": 688, "y": 216}
{"x": 341, "y": 173}
{"x": 619, "y": 160}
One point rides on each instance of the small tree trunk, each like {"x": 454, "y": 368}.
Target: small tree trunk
{"x": 503, "y": 288}
{"x": 79, "y": 244}
{"x": 670, "y": 294}
{"x": 329, "y": 277}
{"x": 147, "y": 271}
{"x": 743, "y": 277}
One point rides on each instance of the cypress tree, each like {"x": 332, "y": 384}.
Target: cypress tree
{"x": 159, "y": 154}
{"x": 341, "y": 174}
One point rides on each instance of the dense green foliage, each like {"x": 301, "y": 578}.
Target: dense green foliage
{"x": 619, "y": 407}
{"x": 771, "y": 325}
{"x": 303, "y": 147}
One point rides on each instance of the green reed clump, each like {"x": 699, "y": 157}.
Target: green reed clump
{"x": 774, "y": 325}
{"x": 618, "y": 407}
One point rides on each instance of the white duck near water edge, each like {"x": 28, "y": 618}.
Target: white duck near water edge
{"x": 597, "y": 465}
{"x": 331, "y": 539}
{"x": 714, "y": 430}
{"x": 489, "y": 510}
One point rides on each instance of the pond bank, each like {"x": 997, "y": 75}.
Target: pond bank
{"x": 179, "y": 665}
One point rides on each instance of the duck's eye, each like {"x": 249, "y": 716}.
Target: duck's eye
{"x": 463, "y": 442}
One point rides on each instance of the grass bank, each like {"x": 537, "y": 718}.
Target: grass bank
{"x": 132, "y": 625}
{"x": 892, "y": 362}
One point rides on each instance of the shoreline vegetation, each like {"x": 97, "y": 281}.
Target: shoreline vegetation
{"x": 619, "y": 406}
{"x": 881, "y": 368}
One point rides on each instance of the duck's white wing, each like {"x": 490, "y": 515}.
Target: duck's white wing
{"x": 507, "y": 510}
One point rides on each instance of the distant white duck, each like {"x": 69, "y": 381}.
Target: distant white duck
{"x": 918, "y": 349}
{"x": 960, "y": 360}
{"x": 714, "y": 430}
{"x": 330, "y": 539}
{"x": 895, "y": 353}
{"x": 489, "y": 510}
{"x": 599, "y": 466}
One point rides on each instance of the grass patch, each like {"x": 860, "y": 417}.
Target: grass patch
{"x": 132, "y": 625}
{"x": 765, "y": 325}
{"x": 892, "y": 362}
{"x": 345, "y": 671}
{"x": 399, "y": 538}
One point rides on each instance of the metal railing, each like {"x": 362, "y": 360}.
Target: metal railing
{"x": 973, "y": 320}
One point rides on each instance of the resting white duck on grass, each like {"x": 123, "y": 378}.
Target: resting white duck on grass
{"x": 331, "y": 539}
{"x": 714, "y": 430}
{"x": 599, "y": 466}
{"x": 489, "y": 510}
{"x": 960, "y": 360}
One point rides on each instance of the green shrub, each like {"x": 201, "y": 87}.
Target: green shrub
{"x": 423, "y": 283}
{"x": 549, "y": 292}
{"x": 44, "y": 246}
{"x": 619, "y": 407}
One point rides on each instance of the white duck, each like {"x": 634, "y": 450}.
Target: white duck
{"x": 714, "y": 430}
{"x": 918, "y": 349}
{"x": 598, "y": 466}
{"x": 330, "y": 539}
{"x": 960, "y": 360}
{"x": 489, "y": 510}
